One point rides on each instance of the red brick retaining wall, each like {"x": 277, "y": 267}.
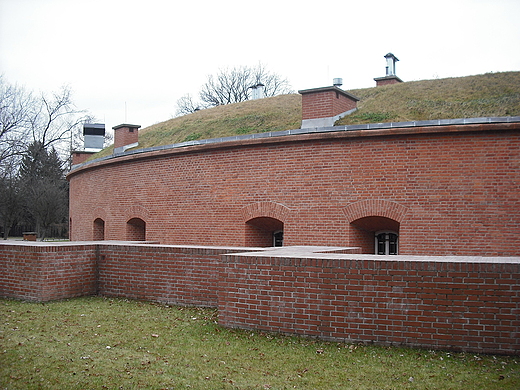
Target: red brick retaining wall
{"x": 176, "y": 275}
{"x": 459, "y": 303}
{"x": 427, "y": 302}
{"x": 47, "y": 272}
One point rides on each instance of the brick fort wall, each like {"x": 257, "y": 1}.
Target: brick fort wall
{"x": 446, "y": 190}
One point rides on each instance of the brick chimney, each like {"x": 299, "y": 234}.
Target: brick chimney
{"x": 80, "y": 156}
{"x": 390, "y": 77}
{"x": 322, "y": 107}
{"x": 125, "y": 137}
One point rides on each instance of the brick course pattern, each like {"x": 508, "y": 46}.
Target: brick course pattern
{"x": 456, "y": 303}
{"x": 80, "y": 156}
{"x": 125, "y": 134}
{"x": 387, "y": 80}
{"x": 426, "y": 302}
{"x": 175, "y": 275}
{"x": 44, "y": 273}
{"x": 448, "y": 190}
{"x": 326, "y": 102}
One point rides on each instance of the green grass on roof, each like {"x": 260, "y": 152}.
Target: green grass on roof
{"x": 270, "y": 114}
{"x": 492, "y": 94}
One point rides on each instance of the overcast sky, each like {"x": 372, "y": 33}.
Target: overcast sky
{"x": 129, "y": 61}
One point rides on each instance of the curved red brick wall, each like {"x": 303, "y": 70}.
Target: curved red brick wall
{"x": 449, "y": 190}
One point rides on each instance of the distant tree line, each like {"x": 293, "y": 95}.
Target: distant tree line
{"x": 233, "y": 85}
{"x": 36, "y": 137}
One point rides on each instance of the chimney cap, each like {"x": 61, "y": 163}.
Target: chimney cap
{"x": 126, "y": 125}
{"x": 390, "y": 55}
{"x": 94, "y": 125}
{"x": 326, "y": 89}
{"x": 389, "y": 77}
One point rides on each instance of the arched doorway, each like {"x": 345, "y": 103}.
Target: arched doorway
{"x": 264, "y": 232}
{"x": 98, "y": 233}
{"x": 136, "y": 230}
{"x": 376, "y": 235}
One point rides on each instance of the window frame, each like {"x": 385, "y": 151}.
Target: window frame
{"x": 387, "y": 242}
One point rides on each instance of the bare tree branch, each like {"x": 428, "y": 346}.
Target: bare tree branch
{"x": 186, "y": 105}
{"x": 234, "y": 85}
{"x": 49, "y": 119}
{"x": 15, "y": 108}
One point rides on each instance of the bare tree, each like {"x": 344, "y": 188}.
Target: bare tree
{"x": 273, "y": 83}
{"x": 15, "y": 113}
{"x": 228, "y": 86}
{"x": 32, "y": 127}
{"x": 26, "y": 118}
{"x": 234, "y": 85}
{"x": 186, "y": 105}
{"x": 54, "y": 119}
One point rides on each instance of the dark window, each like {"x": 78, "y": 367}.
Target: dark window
{"x": 278, "y": 238}
{"x": 387, "y": 243}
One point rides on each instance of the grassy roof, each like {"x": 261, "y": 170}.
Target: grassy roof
{"x": 492, "y": 94}
{"x": 282, "y": 112}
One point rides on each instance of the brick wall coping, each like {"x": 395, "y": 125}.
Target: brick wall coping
{"x": 327, "y": 252}
{"x": 136, "y": 244}
{"x": 69, "y": 243}
{"x": 312, "y": 133}
{"x": 308, "y": 252}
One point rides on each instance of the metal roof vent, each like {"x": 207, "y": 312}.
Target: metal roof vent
{"x": 338, "y": 82}
{"x": 94, "y": 135}
{"x": 258, "y": 91}
{"x": 390, "y": 64}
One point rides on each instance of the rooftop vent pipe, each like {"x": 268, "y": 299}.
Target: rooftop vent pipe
{"x": 258, "y": 91}
{"x": 390, "y": 64}
{"x": 390, "y": 77}
{"x": 338, "y": 82}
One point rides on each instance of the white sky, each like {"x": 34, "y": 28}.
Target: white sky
{"x": 144, "y": 55}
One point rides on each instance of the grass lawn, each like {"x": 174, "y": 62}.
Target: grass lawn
{"x": 104, "y": 343}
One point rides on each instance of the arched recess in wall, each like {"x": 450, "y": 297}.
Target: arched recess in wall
{"x": 136, "y": 223}
{"x": 136, "y": 230}
{"x": 98, "y": 225}
{"x": 264, "y": 224}
{"x": 98, "y": 230}
{"x": 375, "y": 225}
